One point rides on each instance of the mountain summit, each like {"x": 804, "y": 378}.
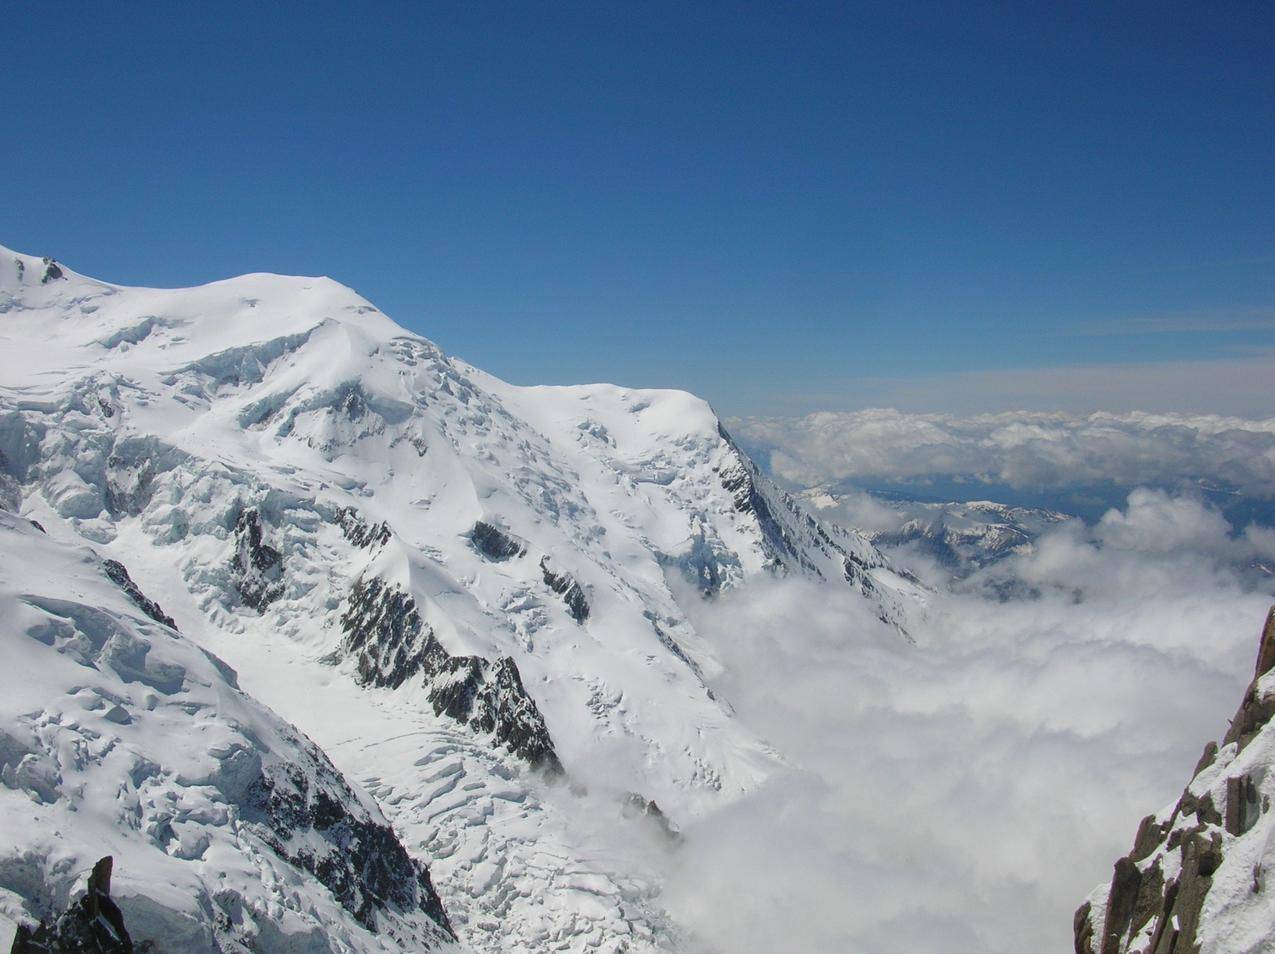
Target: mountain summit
{"x": 461, "y": 589}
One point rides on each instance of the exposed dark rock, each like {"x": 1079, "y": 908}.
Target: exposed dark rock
{"x": 387, "y": 637}
{"x": 789, "y": 533}
{"x": 1242, "y": 807}
{"x": 1162, "y": 916}
{"x": 571, "y": 592}
{"x": 51, "y": 271}
{"x": 257, "y": 566}
{"x": 1206, "y": 811}
{"x": 494, "y": 543}
{"x": 739, "y": 479}
{"x": 491, "y": 698}
{"x": 1120, "y": 904}
{"x": 636, "y": 806}
{"x": 1206, "y": 758}
{"x": 130, "y": 474}
{"x": 91, "y": 925}
{"x": 1150, "y": 836}
{"x": 675, "y": 648}
{"x": 1148, "y": 900}
{"x": 119, "y": 576}
{"x": 359, "y": 532}
{"x": 1255, "y": 710}
{"x": 361, "y": 862}
{"x": 1266, "y": 650}
{"x": 1082, "y": 928}
{"x": 391, "y": 643}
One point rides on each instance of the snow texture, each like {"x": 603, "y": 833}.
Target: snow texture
{"x": 230, "y": 829}
{"x": 460, "y": 588}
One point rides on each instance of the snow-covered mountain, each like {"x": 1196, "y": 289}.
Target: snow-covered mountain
{"x": 447, "y": 581}
{"x": 960, "y": 537}
{"x": 1197, "y": 877}
{"x": 229, "y": 829}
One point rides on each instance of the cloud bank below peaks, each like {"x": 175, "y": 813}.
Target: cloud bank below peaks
{"x": 1020, "y": 449}
{"x": 963, "y": 794}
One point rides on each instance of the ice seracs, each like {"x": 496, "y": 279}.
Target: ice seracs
{"x": 230, "y": 830}
{"x": 384, "y": 540}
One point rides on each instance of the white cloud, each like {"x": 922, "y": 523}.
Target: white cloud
{"x": 1023, "y": 449}
{"x": 964, "y": 794}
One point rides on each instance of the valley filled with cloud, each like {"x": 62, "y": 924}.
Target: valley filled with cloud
{"x": 964, "y": 786}
{"x": 965, "y": 789}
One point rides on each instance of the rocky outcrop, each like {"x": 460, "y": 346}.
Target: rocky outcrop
{"x": 360, "y": 533}
{"x": 91, "y": 925}
{"x": 636, "y": 805}
{"x": 362, "y": 862}
{"x": 494, "y": 543}
{"x": 794, "y": 541}
{"x": 565, "y": 585}
{"x": 52, "y": 272}
{"x": 1193, "y": 881}
{"x": 119, "y": 576}
{"x": 391, "y": 644}
{"x": 256, "y": 565}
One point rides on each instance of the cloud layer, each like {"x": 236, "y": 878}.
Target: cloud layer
{"x": 1022, "y": 449}
{"x": 964, "y": 794}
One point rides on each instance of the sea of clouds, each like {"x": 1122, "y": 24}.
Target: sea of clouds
{"x": 1018, "y": 448}
{"x": 963, "y": 788}
{"x": 964, "y": 791}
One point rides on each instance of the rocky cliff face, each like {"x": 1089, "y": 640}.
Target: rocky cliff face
{"x": 1196, "y": 877}
{"x": 392, "y": 644}
{"x": 380, "y": 536}
{"x": 233, "y": 831}
{"x": 94, "y": 924}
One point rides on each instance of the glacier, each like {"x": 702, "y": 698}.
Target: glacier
{"x": 472, "y": 596}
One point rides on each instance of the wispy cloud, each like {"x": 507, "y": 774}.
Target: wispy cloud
{"x": 1234, "y": 321}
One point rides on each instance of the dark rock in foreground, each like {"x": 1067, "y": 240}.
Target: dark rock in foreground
{"x": 1213, "y": 839}
{"x": 91, "y": 925}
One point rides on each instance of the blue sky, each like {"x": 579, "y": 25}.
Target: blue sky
{"x": 780, "y": 207}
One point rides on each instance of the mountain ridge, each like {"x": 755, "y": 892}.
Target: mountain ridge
{"x": 351, "y": 518}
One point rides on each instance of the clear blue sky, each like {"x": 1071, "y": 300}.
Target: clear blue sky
{"x": 769, "y": 204}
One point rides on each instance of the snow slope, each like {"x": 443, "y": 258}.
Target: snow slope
{"x": 230, "y": 830}
{"x": 377, "y": 536}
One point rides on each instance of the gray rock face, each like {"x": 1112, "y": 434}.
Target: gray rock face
{"x": 391, "y": 644}
{"x": 92, "y": 925}
{"x": 636, "y": 805}
{"x": 119, "y": 576}
{"x": 360, "y": 861}
{"x": 791, "y": 537}
{"x": 359, "y": 532}
{"x": 51, "y": 271}
{"x": 257, "y": 566}
{"x": 1155, "y": 903}
{"x": 494, "y": 543}
{"x": 564, "y": 585}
